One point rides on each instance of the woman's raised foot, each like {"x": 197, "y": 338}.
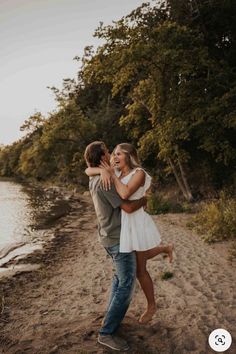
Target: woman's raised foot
{"x": 147, "y": 315}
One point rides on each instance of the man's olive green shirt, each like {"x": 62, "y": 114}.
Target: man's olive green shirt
{"x": 107, "y": 207}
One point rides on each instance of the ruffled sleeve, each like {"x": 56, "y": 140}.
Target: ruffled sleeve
{"x": 148, "y": 181}
{"x": 148, "y": 178}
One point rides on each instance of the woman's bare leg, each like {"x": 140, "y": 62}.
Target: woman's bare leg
{"x": 168, "y": 249}
{"x": 146, "y": 285}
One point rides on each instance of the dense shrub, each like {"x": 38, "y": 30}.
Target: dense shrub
{"x": 157, "y": 204}
{"x": 217, "y": 219}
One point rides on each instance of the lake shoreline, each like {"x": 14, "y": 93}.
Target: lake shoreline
{"x": 58, "y": 308}
{"x": 44, "y": 223}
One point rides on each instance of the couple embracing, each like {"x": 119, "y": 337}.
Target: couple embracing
{"x": 129, "y": 235}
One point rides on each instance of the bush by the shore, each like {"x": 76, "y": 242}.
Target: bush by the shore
{"x": 217, "y": 219}
{"x": 158, "y": 204}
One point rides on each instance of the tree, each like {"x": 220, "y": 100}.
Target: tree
{"x": 33, "y": 123}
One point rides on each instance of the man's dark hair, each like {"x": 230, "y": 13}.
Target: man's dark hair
{"x": 94, "y": 153}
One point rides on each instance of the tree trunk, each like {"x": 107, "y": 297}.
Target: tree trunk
{"x": 187, "y": 188}
{"x": 180, "y": 184}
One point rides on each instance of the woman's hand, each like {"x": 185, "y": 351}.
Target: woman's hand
{"x": 105, "y": 178}
{"x": 110, "y": 169}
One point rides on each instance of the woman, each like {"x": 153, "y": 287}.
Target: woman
{"x": 138, "y": 231}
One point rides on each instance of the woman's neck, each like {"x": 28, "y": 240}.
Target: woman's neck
{"x": 125, "y": 171}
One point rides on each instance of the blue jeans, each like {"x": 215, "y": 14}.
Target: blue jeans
{"x": 122, "y": 288}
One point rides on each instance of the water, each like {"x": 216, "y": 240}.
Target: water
{"x": 15, "y": 214}
{"x": 26, "y": 217}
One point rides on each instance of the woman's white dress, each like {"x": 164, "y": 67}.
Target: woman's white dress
{"x": 138, "y": 230}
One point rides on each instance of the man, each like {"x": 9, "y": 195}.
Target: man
{"x": 108, "y": 205}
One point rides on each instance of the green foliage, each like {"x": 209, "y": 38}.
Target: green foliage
{"x": 9, "y": 160}
{"x": 217, "y": 219}
{"x": 163, "y": 79}
{"x": 158, "y": 205}
{"x": 167, "y": 275}
{"x": 177, "y": 90}
{"x": 34, "y": 123}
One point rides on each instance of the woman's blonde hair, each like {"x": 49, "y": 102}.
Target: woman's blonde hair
{"x": 131, "y": 155}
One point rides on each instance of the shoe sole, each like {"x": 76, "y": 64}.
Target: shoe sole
{"x": 111, "y": 347}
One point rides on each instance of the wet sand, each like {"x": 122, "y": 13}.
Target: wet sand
{"x": 59, "y": 307}
{"x": 28, "y": 215}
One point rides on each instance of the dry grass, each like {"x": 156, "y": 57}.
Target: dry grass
{"x": 217, "y": 219}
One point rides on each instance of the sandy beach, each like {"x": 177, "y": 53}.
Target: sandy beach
{"x": 59, "y": 307}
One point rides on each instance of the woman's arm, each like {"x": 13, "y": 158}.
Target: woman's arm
{"x": 93, "y": 171}
{"x": 126, "y": 190}
{"x": 105, "y": 176}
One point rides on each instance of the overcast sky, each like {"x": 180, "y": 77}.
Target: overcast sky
{"x": 38, "y": 41}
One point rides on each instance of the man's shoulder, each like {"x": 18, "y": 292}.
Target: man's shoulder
{"x": 95, "y": 187}
{"x": 94, "y": 182}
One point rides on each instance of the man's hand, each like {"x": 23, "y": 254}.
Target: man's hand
{"x": 129, "y": 206}
{"x": 107, "y": 167}
{"x": 144, "y": 202}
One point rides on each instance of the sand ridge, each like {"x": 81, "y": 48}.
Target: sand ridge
{"x": 59, "y": 308}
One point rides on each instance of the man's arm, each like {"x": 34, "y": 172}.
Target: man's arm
{"x": 129, "y": 206}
